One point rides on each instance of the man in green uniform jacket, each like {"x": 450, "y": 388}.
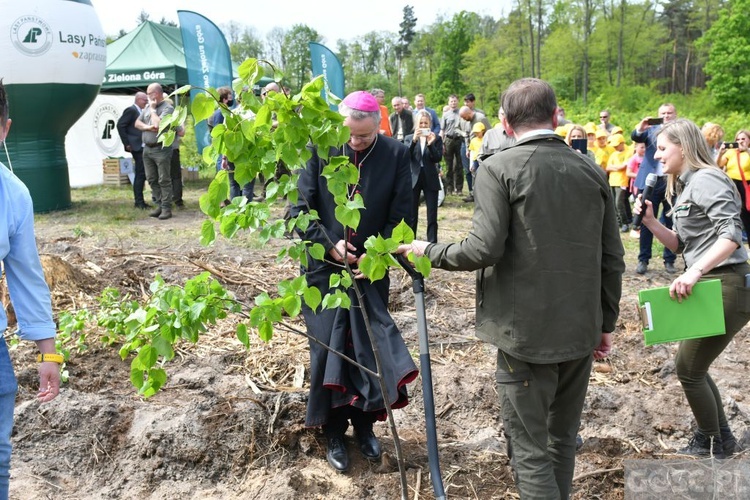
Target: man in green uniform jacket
{"x": 546, "y": 246}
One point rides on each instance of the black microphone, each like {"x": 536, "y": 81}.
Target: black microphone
{"x": 650, "y": 184}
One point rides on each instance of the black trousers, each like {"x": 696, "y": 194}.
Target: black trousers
{"x": 622, "y": 205}
{"x": 431, "y": 202}
{"x": 338, "y": 420}
{"x": 139, "y": 181}
{"x": 454, "y": 178}
{"x": 658, "y": 199}
{"x": 175, "y": 172}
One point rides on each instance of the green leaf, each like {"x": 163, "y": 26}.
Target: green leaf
{"x": 347, "y": 217}
{"x": 317, "y": 251}
{"x": 292, "y": 305}
{"x": 263, "y": 117}
{"x": 139, "y": 316}
{"x": 182, "y": 90}
{"x": 145, "y": 359}
{"x": 157, "y": 377}
{"x": 315, "y": 86}
{"x": 234, "y": 142}
{"x": 312, "y": 298}
{"x": 299, "y": 284}
{"x": 248, "y": 70}
{"x": 208, "y": 232}
{"x": 163, "y": 347}
{"x": 218, "y": 191}
{"x": 365, "y": 265}
{"x": 265, "y": 331}
{"x": 136, "y": 377}
{"x": 346, "y": 279}
{"x": 403, "y": 233}
{"x": 378, "y": 269}
{"x": 203, "y": 106}
{"x": 242, "y": 334}
{"x": 228, "y": 225}
{"x": 181, "y": 116}
{"x": 334, "y": 280}
{"x": 423, "y": 265}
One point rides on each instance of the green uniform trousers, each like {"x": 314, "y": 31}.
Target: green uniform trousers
{"x": 158, "y": 164}
{"x": 695, "y": 356}
{"x": 541, "y": 406}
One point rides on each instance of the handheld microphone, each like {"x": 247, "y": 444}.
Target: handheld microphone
{"x": 650, "y": 184}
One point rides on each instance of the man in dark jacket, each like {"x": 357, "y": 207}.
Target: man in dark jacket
{"x": 547, "y": 297}
{"x": 132, "y": 140}
{"x": 402, "y": 120}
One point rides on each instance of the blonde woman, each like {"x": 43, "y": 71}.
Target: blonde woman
{"x": 714, "y": 134}
{"x": 578, "y": 132}
{"x": 708, "y": 233}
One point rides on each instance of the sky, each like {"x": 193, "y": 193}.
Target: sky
{"x": 333, "y": 19}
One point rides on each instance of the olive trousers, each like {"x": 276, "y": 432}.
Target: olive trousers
{"x": 694, "y": 357}
{"x": 541, "y": 407}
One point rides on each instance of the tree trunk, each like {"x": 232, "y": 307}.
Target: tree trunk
{"x": 586, "y": 35}
{"x": 674, "y": 66}
{"x": 399, "y": 77}
{"x": 687, "y": 70}
{"x": 531, "y": 38}
{"x": 620, "y": 38}
{"x": 539, "y": 39}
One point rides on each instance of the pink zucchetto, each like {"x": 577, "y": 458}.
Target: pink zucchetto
{"x": 361, "y": 101}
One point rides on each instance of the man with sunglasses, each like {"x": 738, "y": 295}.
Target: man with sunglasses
{"x": 604, "y": 122}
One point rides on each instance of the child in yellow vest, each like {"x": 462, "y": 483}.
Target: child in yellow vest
{"x": 617, "y": 164}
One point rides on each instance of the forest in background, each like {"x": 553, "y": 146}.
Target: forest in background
{"x": 628, "y": 56}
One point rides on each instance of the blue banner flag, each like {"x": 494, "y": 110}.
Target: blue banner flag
{"x": 325, "y": 62}
{"x": 208, "y": 61}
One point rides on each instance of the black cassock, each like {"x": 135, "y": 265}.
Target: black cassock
{"x": 385, "y": 186}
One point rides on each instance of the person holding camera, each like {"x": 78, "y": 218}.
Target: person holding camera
{"x": 735, "y": 160}
{"x": 646, "y": 132}
{"x": 708, "y": 233}
{"x": 426, "y": 151}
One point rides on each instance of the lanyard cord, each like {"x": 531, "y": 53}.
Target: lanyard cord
{"x": 10, "y": 165}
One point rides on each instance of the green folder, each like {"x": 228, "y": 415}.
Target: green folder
{"x": 699, "y": 315}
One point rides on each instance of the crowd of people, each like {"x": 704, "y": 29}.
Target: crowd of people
{"x": 523, "y": 174}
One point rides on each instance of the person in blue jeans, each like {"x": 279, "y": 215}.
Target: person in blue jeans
{"x": 29, "y": 294}
{"x": 646, "y": 134}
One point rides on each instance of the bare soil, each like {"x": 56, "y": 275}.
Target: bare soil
{"x": 229, "y": 423}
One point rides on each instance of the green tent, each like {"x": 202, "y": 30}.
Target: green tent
{"x": 150, "y": 53}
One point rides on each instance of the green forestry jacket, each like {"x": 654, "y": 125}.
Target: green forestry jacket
{"x": 547, "y": 249}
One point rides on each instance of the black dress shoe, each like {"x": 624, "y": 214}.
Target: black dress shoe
{"x": 336, "y": 453}
{"x": 142, "y": 205}
{"x": 368, "y": 444}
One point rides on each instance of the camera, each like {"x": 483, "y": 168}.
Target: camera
{"x": 655, "y": 121}
{"x": 731, "y": 145}
{"x": 424, "y": 132}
